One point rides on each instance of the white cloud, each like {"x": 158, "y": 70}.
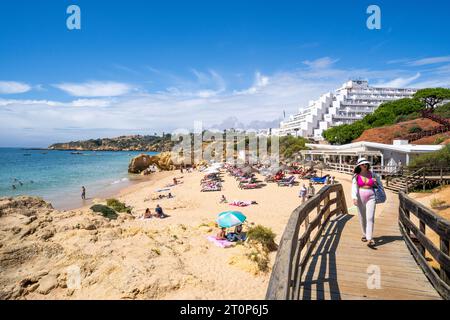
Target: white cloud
{"x": 95, "y": 89}
{"x": 12, "y": 87}
{"x": 399, "y": 82}
{"x": 260, "y": 82}
{"x": 428, "y": 61}
{"x": 91, "y": 103}
{"x": 321, "y": 63}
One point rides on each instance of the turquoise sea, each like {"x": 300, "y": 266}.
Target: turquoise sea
{"x": 57, "y": 176}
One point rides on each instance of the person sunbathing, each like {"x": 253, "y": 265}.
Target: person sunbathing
{"x": 222, "y": 235}
{"x": 147, "y": 214}
{"x": 223, "y": 199}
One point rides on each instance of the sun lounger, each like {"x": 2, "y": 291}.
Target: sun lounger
{"x": 250, "y": 186}
{"x": 211, "y": 188}
{"x": 319, "y": 179}
{"x": 288, "y": 182}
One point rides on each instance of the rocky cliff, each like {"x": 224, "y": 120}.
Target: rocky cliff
{"x": 49, "y": 254}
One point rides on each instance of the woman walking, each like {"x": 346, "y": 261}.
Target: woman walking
{"x": 302, "y": 193}
{"x": 363, "y": 195}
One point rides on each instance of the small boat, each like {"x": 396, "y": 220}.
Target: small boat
{"x": 76, "y": 153}
{"x": 27, "y": 154}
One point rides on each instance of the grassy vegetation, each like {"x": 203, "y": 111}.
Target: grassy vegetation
{"x": 437, "y": 203}
{"x": 118, "y": 206}
{"x": 415, "y": 129}
{"x": 263, "y": 235}
{"x": 443, "y": 111}
{"x": 439, "y": 140}
{"x": 105, "y": 211}
{"x": 437, "y": 159}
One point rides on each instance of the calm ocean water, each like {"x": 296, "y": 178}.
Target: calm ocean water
{"x": 57, "y": 176}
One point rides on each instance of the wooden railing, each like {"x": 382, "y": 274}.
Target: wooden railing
{"x": 295, "y": 249}
{"x": 348, "y": 168}
{"x": 421, "y": 176}
{"x": 419, "y": 244}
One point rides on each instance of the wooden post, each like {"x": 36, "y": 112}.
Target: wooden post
{"x": 423, "y": 180}
{"x": 308, "y": 241}
{"x": 326, "y": 213}
{"x": 408, "y": 232}
{"x": 445, "y": 248}
{"x": 421, "y": 246}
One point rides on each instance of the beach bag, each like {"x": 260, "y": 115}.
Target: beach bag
{"x": 380, "y": 195}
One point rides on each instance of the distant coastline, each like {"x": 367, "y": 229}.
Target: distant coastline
{"x": 135, "y": 143}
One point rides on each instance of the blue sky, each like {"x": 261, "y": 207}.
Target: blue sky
{"x": 152, "y": 66}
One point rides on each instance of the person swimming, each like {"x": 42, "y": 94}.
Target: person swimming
{"x": 14, "y": 187}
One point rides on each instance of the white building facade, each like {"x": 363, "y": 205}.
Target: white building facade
{"x": 352, "y": 102}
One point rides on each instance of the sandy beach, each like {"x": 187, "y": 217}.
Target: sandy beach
{"x": 130, "y": 258}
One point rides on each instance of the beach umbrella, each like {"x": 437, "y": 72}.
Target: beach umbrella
{"x": 229, "y": 219}
{"x": 247, "y": 170}
{"x": 321, "y": 166}
{"x": 310, "y": 164}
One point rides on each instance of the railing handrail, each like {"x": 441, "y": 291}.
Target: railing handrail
{"x": 441, "y": 226}
{"x": 288, "y": 267}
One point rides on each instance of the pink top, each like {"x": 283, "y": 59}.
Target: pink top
{"x": 365, "y": 182}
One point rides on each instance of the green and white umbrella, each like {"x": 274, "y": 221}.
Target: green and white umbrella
{"x": 229, "y": 219}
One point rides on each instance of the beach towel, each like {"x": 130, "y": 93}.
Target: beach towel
{"x": 161, "y": 190}
{"x": 220, "y": 243}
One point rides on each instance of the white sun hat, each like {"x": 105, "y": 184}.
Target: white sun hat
{"x": 362, "y": 161}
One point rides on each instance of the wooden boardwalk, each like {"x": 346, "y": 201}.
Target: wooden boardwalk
{"x": 341, "y": 264}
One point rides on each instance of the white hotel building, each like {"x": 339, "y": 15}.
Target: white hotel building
{"x": 354, "y": 100}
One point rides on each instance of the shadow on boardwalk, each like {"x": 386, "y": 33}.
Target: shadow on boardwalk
{"x": 323, "y": 263}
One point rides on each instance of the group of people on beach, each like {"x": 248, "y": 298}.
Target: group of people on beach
{"x": 307, "y": 192}
{"x": 159, "y": 213}
{"x": 236, "y": 235}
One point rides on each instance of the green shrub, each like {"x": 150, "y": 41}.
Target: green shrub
{"x": 106, "y": 211}
{"x": 289, "y": 145}
{"x": 397, "y": 134}
{"x": 118, "y": 206}
{"x": 439, "y": 140}
{"x": 443, "y": 111}
{"x": 264, "y": 236}
{"x": 415, "y": 129}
